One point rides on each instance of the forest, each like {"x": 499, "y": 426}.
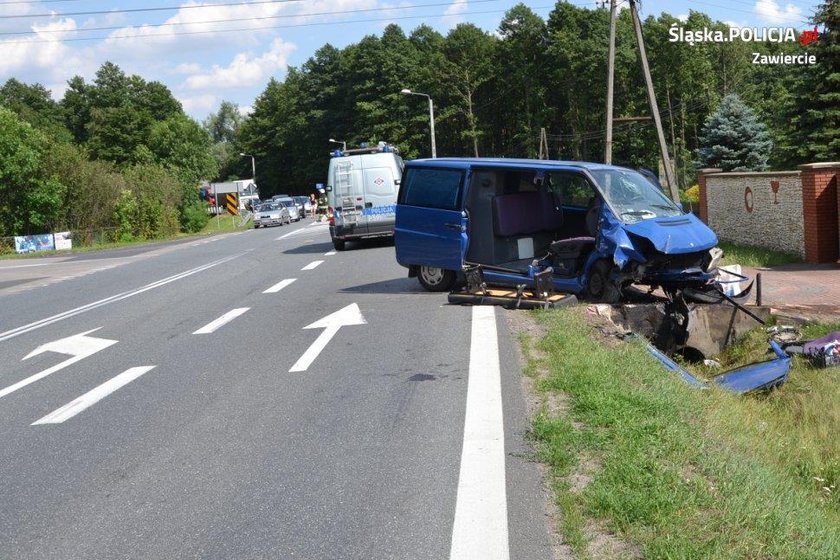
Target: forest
{"x": 120, "y": 152}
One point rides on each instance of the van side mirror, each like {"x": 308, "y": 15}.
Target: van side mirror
{"x": 680, "y": 206}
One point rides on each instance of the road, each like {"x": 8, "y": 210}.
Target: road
{"x": 170, "y": 402}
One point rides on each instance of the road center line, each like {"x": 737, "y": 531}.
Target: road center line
{"x": 279, "y": 286}
{"x": 312, "y": 265}
{"x": 118, "y": 297}
{"x": 480, "y": 530}
{"x": 213, "y": 326}
{"x": 93, "y": 396}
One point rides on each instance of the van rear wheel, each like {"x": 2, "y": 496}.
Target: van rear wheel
{"x": 339, "y": 244}
{"x": 435, "y": 279}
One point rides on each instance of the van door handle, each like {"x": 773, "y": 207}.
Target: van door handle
{"x": 452, "y": 226}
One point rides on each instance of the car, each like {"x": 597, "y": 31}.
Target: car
{"x": 302, "y": 203}
{"x": 597, "y": 228}
{"x": 290, "y": 203}
{"x": 271, "y": 214}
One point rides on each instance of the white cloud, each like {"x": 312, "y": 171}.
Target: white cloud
{"x": 198, "y": 103}
{"x": 452, "y": 15}
{"x": 246, "y": 110}
{"x": 244, "y": 70}
{"x": 771, "y": 12}
{"x": 43, "y": 54}
{"x": 683, "y": 17}
{"x": 187, "y": 68}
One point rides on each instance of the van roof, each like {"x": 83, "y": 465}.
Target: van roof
{"x": 513, "y": 163}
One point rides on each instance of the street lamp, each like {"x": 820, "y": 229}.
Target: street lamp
{"x": 342, "y": 142}
{"x": 431, "y": 116}
{"x": 253, "y": 165}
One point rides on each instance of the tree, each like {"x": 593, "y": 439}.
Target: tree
{"x": 223, "y": 125}
{"x": 30, "y": 199}
{"x": 33, "y": 104}
{"x": 181, "y": 145}
{"x": 734, "y": 139}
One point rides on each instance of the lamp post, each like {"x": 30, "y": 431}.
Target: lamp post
{"x": 342, "y": 142}
{"x": 431, "y": 115}
{"x": 253, "y": 165}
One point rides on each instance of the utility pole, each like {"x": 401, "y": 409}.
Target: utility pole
{"x": 654, "y": 109}
{"x": 610, "y": 78}
{"x": 543, "y": 144}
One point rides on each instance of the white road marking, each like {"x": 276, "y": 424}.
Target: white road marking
{"x": 480, "y": 531}
{"x": 331, "y": 253}
{"x": 350, "y": 315}
{"x": 93, "y": 396}
{"x": 312, "y": 265}
{"x": 213, "y": 326}
{"x": 79, "y": 346}
{"x": 279, "y": 286}
{"x": 118, "y": 297}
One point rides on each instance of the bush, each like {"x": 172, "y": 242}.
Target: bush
{"x": 194, "y": 217}
{"x": 125, "y": 215}
{"x": 692, "y": 194}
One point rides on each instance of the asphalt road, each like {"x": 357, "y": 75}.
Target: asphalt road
{"x": 170, "y": 403}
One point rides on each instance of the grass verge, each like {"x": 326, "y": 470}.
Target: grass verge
{"x": 216, "y": 225}
{"x": 681, "y": 473}
{"x": 755, "y": 257}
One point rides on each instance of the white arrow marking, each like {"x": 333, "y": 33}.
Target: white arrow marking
{"x": 350, "y": 315}
{"x": 79, "y": 346}
{"x": 279, "y": 286}
{"x": 213, "y": 326}
{"x": 93, "y": 396}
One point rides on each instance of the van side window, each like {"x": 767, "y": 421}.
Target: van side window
{"x": 432, "y": 188}
{"x": 574, "y": 189}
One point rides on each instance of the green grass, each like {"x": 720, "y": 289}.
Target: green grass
{"x": 225, "y": 224}
{"x": 216, "y": 225}
{"x": 684, "y": 473}
{"x": 755, "y": 257}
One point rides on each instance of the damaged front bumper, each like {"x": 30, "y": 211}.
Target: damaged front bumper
{"x": 761, "y": 376}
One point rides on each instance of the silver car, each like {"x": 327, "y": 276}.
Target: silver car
{"x": 272, "y": 214}
{"x": 290, "y": 203}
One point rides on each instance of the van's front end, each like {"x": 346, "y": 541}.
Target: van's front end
{"x": 648, "y": 237}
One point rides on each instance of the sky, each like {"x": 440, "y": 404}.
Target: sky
{"x": 211, "y": 51}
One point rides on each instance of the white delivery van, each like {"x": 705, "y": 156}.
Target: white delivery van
{"x": 362, "y": 187}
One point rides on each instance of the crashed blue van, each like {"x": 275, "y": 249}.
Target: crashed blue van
{"x": 598, "y": 228}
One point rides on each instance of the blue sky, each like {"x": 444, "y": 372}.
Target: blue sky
{"x": 210, "y": 51}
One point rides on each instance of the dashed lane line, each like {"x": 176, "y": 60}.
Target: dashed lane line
{"x": 215, "y": 325}
{"x": 93, "y": 396}
{"x": 279, "y": 286}
{"x": 312, "y": 265}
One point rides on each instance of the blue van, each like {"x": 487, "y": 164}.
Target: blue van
{"x": 599, "y": 227}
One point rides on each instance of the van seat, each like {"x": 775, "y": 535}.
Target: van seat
{"x": 523, "y": 214}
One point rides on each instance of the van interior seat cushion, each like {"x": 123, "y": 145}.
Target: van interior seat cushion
{"x": 518, "y": 214}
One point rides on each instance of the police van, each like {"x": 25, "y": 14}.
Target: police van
{"x": 362, "y": 186}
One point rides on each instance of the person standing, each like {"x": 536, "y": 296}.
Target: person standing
{"x": 313, "y": 205}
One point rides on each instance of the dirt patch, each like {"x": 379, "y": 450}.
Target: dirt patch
{"x": 604, "y": 545}
{"x": 584, "y": 473}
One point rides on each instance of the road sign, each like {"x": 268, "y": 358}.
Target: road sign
{"x": 232, "y": 203}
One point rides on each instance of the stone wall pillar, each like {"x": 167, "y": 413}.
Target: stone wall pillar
{"x": 820, "y": 212}
{"x": 704, "y": 201}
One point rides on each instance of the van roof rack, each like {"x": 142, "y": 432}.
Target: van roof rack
{"x": 364, "y": 148}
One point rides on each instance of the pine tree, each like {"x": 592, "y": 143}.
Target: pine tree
{"x": 733, "y": 139}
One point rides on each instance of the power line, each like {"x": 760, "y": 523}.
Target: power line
{"x": 257, "y": 28}
{"x": 228, "y": 20}
{"x": 155, "y": 9}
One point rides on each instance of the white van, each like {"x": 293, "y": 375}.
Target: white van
{"x": 362, "y": 186}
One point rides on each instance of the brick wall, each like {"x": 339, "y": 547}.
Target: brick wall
{"x": 758, "y": 209}
{"x": 820, "y": 217}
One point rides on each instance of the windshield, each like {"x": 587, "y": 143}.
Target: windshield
{"x": 267, "y": 207}
{"x": 633, "y": 197}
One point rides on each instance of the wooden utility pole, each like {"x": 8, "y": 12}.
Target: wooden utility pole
{"x": 654, "y": 109}
{"x": 610, "y": 78}
{"x": 543, "y": 144}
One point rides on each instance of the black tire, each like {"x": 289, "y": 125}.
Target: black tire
{"x": 339, "y": 244}
{"x": 436, "y": 279}
{"x": 599, "y": 286}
